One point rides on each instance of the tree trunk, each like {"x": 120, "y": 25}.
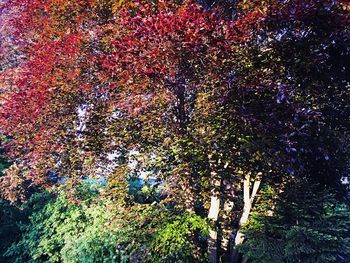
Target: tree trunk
{"x": 226, "y": 227}
{"x": 226, "y": 219}
{"x": 189, "y": 193}
{"x": 248, "y": 201}
{"x": 213, "y": 234}
{"x": 213, "y": 213}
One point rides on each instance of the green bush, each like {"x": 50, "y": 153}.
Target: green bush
{"x": 99, "y": 232}
{"x": 63, "y": 232}
{"x": 179, "y": 240}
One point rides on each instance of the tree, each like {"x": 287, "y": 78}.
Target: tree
{"x": 301, "y": 224}
{"x": 213, "y": 101}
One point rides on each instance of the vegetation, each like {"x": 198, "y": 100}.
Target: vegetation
{"x": 175, "y": 131}
{"x": 304, "y": 225}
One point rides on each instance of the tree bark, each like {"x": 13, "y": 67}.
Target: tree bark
{"x": 248, "y": 202}
{"x": 213, "y": 213}
{"x": 226, "y": 228}
{"x": 213, "y": 233}
{"x": 226, "y": 220}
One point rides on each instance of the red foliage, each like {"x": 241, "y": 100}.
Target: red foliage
{"x": 73, "y": 52}
{"x": 154, "y": 49}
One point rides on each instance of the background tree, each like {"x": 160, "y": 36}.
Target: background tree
{"x": 301, "y": 224}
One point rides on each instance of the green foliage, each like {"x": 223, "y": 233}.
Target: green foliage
{"x": 9, "y": 230}
{"x": 90, "y": 231}
{"x": 144, "y": 192}
{"x": 173, "y": 242}
{"x": 55, "y": 231}
{"x": 9, "y": 215}
{"x": 95, "y": 243}
{"x": 303, "y": 224}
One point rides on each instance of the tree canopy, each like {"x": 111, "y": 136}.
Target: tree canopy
{"x": 207, "y": 101}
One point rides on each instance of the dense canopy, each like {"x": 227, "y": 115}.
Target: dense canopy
{"x": 222, "y": 112}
